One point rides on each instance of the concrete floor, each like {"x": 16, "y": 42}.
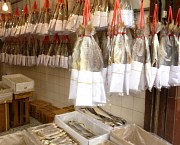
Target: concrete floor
{"x": 33, "y": 122}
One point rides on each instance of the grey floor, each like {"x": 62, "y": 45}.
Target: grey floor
{"x": 33, "y": 122}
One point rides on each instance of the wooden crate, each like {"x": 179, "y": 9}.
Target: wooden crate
{"x": 4, "y": 117}
{"x": 35, "y": 105}
{"x": 44, "y": 112}
{"x": 47, "y": 114}
{"x": 20, "y": 109}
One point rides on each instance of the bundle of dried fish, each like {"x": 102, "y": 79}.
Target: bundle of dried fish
{"x": 3, "y": 51}
{"x": 104, "y": 14}
{"x": 87, "y": 63}
{"x": 38, "y": 26}
{"x": 104, "y": 116}
{"x": 62, "y": 17}
{"x": 80, "y": 17}
{"x": 32, "y": 19}
{"x": 44, "y": 47}
{"x": 100, "y": 13}
{"x": 138, "y": 54}
{"x": 126, "y": 10}
{"x": 46, "y": 18}
{"x": 58, "y": 54}
{"x": 118, "y": 53}
{"x": 111, "y": 11}
{"x": 72, "y": 20}
{"x": 175, "y": 68}
{"x": 15, "y": 22}
{"x": 165, "y": 53}
{"x": 24, "y": 20}
{"x": 81, "y": 129}
{"x": 54, "y": 17}
{"x": 7, "y": 25}
{"x": 2, "y": 21}
{"x": 151, "y": 61}
{"x": 49, "y": 58}
{"x": 25, "y": 52}
{"x": 104, "y": 45}
{"x": 51, "y": 134}
{"x": 34, "y": 51}
{"x": 64, "y": 53}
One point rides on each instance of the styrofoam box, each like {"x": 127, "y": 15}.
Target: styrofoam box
{"x": 19, "y": 83}
{"x": 5, "y": 93}
{"x": 95, "y": 127}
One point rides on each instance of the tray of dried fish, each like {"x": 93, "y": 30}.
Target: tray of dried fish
{"x": 84, "y": 129}
{"x": 107, "y": 120}
{"x": 18, "y": 83}
{"x": 5, "y": 93}
{"x": 51, "y": 134}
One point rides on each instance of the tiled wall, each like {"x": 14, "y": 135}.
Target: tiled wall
{"x": 52, "y": 85}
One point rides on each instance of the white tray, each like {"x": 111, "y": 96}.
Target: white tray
{"x": 95, "y": 127}
{"x": 19, "y": 83}
{"x": 5, "y": 93}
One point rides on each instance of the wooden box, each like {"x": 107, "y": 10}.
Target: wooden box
{"x": 35, "y": 105}
{"x": 20, "y": 109}
{"x": 19, "y": 83}
{"x": 46, "y": 114}
{"x": 4, "y": 117}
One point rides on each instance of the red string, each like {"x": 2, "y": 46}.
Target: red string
{"x": 60, "y": 1}
{"x": 46, "y": 39}
{"x": 114, "y": 19}
{"x": 46, "y": 4}
{"x": 141, "y": 15}
{"x": 155, "y": 17}
{"x": 35, "y": 6}
{"x": 178, "y": 17}
{"x": 26, "y": 9}
{"x": 170, "y": 15}
{"x": 17, "y": 12}
{"x": 56, "y": 37}
{"x": 116, "y": 7}
{"x": 86, "y": 12}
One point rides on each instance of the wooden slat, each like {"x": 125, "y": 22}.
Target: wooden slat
{"x": 162, "y": 112}
{"x": 15, "y": 113}
{"x": 26, "y": 110}
{"x": 21, "y": 109}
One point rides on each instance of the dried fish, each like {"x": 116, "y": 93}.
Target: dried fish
{"x": 51, "y": 134}
{"x": 81, "y": 129}
{"x": 72, "y": 20}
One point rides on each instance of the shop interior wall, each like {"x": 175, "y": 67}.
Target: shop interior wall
{"x": 52, "y": 84}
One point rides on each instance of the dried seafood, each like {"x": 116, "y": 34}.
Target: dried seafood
{"x": 51, "y": 134}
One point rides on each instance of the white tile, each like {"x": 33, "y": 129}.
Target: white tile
{"x": 138, "y": 118}
{"x": 127, "y": 114}
{"x": 115, "y": 110}
{"x": 116, "y": 100}
{"x": 127, "y": 102}
{"x": 139, "y": 104}
{"x": 140, "y": 94}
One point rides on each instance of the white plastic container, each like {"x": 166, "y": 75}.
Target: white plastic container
{"x": 18, "y": 83}
{"x": 5, "y": 93}
{"x": 101, "y": 133}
